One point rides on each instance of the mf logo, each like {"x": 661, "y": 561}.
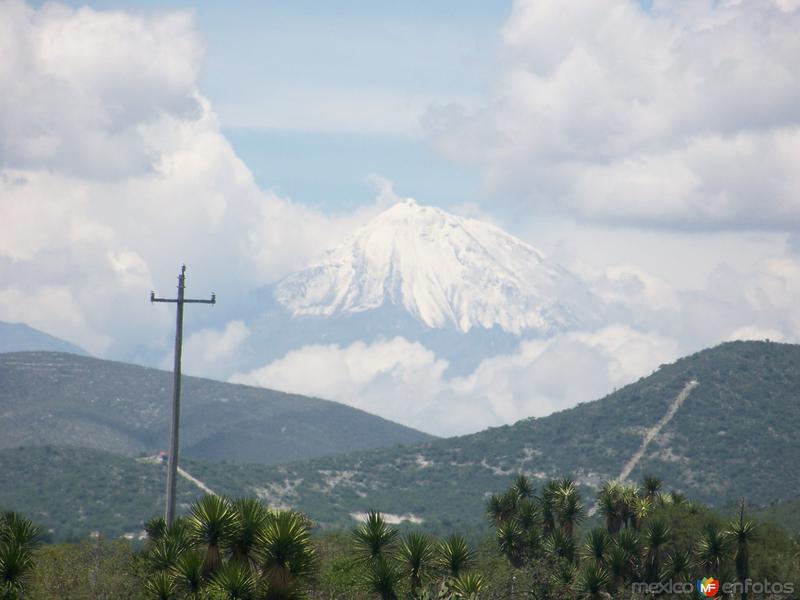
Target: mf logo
{"x": 708, "y": 587}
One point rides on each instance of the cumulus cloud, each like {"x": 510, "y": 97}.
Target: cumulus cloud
{"x": 113, "y": 171}
{"x": 685, "y": 115}
{"x": 405, "y": 382}
{"x": 211, "y": 353}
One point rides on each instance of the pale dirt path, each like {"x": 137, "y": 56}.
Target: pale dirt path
{"x": 155, "y": 460}
{"x": 196, "y": 481}
{"x": 650, "y": 434}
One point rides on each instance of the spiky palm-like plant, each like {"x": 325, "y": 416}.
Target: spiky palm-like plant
{"x": 156, "y": 529}
{"x": 548, "y": 506}
{"x": 503, "y": 507}
{"x": 19, "y": 538}
{"x": 250, "y": 518}
{"x": 454, "y": 555}
{"x": 742, "y": 532}
{"x": 160, "y": 586}
{"x": 211, "y": 523}
{"x": 677, "y": 565}
{"x": 523, "y": 487}
{"x": 374, "y": 537}
{"x": 569, "y": 509}
{"x": 609, "y": 504}
{"x": 618, "y": 562}
{"x": 164, "y": 554}
{"x": 563, "y": 580}
{"x": 628, "y": 498}
{"x": 711, "y": 549}
{"x": 383, "y": 578}
{"x": 287, "y": 555}
{"x": 628, "y": 540}
{"x": 468, "y": 586}
{"x": 560, "y": 545}
{"x": 16, "y": 529}
{"x": 188, "y": 573}
{"x": 596, "y": 546}
{"x": 511, "y": 542}
{"x": 235, "y": 581}
{"x": 592, "y": 582}
{"x": 656, "y": 535}
{"x": 651, "y": 486}
{"x": 415, "y": 555}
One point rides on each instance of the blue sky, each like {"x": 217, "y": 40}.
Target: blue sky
{"x": 291, "y": 82}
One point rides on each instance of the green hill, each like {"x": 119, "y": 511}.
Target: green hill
{"x": 737, "y": 433}
{"x": 64, "y": 399}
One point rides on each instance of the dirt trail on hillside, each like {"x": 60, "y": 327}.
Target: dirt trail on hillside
{"x": 196, "y": 481}
{"x": 651, "y": 433}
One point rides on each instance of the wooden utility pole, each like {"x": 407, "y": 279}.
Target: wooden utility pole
{"x": 172, "y": 468}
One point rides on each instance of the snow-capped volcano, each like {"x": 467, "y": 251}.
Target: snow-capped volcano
{"x": 445, "y": 270}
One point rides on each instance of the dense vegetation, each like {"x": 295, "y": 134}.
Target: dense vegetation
{"x": 737, "y": 434}
{"x": 64, "y": 399}
{"x": 543, "y": 545}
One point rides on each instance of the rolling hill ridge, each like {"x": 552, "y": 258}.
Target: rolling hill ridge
{"x": 68, "y": 400}
{"x": 716, "y": 425}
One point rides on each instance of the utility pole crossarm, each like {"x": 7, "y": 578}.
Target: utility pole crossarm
{"x": 172, "y": 469}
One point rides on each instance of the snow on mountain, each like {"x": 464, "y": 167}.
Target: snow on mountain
{"x": 445, "y": 270}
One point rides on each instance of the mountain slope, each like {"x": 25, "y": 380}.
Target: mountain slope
{"x": 64, "y": 399}
{"x": 445, "y": 270}
{"x": 736, "y": 433}
{"x": 18, "y": 337}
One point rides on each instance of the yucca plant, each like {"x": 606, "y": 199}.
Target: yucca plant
{"x": 563, "y": 580}
{"x": 677, "y": 565}
{"x": 711, "y": 549}
{"x": 374, "y": 537}
{"x": 560, "y": 545}
{"x": 468, "y": 586}
{"x": 165, "y": 554}
{"x": 523, "y": 487}
{"x": 383, "y": 578}
{"x": 454, "y": 555}
{"x": 235, "y": 581}
{"x": 592, "y": 582}
{"x": 250, "y": 518}
{"x": 651, "y": 486}
{"x": 160, "y": 586}
{"x": 618, "y": 562}
{"x": 628, "y": 540}
{"x": 569, "y": 507}
{"x": 510, "y": 541}
{"x": 656, "y": 535}
{"x": 596, "y": 545}
{"x": 19, "y": 538}
{"x": 188, "y": 574}
{"x": 609, "y": 505}
{"x": 287, "y": 555}
{"x": 742, "y": 532}
{"x": 415, "y": 555}
{"x": 211, "y": 523}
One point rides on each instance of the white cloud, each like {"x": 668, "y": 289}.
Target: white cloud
{"x": 407, "y": 383}
{"x": 113, "y": 171}
{"x": 396, "y": 379}
{"x": 210, "y": 352}
{"x": 686, "y": 115}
